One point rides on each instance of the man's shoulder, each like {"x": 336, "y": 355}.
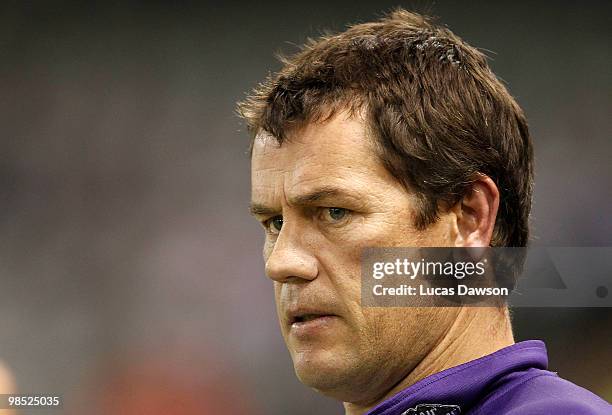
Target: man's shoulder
{"x": 540, "y": 392}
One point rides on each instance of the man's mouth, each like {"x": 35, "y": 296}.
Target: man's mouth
{"x": 307, "y": 317}
{"x": 309, "y": 323}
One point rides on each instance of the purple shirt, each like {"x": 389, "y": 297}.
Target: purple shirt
{"x": 511, "y": 381}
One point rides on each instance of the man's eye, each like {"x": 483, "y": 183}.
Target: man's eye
{"x": 337, "y": 214}
{"x": 274, "y": 224}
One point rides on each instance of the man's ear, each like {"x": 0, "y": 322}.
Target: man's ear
{"x": 476, "y": 213}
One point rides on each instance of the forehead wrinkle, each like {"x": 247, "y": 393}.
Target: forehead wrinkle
{"x": 319, "y": 162}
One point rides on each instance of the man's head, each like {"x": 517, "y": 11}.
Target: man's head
{"x": 393, "y": 133}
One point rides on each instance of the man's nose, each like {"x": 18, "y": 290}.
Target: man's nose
{"x": 291, "y": 258}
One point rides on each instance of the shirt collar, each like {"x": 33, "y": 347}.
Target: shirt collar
{"x": 465, "y": 384}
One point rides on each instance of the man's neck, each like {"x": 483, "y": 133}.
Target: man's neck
{"x": 477, "y": 332}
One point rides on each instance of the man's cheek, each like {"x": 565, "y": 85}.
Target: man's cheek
{"x": 375, "y": 231}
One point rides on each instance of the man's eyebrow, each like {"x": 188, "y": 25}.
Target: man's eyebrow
{"x": 317, "y": 195}
{"x": 302, "y": 200}
{"x": 258, "y": 209}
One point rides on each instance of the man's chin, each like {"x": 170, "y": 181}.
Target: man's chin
{"x": 326, "y": 371}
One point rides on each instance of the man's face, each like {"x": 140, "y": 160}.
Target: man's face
{"x": 322, "y": 197}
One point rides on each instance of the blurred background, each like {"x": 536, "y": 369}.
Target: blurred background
{"x": 131, "y": 278}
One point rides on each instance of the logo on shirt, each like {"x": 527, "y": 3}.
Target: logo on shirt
{"x": 433, "y": 409}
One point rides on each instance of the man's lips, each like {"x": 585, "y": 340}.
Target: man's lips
{"x": 304, "y": 315}
{"x": 305, "y": 318}
{"x": 307, "y": 322}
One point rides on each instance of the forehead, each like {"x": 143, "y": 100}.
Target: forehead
{"x": 338, "y": 151}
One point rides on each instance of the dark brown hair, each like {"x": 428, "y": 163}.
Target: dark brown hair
{"x": 439, "y": 115}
